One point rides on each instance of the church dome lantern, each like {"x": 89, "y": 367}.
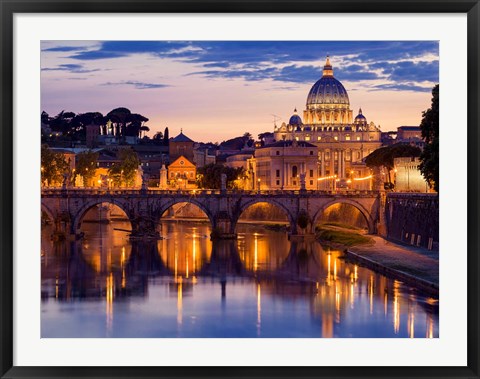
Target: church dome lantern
{"x": 360, "y": 119}
{"x": 295, "y": 120}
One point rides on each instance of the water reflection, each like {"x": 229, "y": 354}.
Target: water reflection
{"x": 185, "y": 285}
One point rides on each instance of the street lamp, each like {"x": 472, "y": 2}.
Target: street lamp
{"x": 318, "y": 183}
{"x": 258, "y": 180}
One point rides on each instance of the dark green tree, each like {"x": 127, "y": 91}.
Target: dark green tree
{"x": 209, "y": 176}
{"x": 429, "y": 165}
{"x": 125, "y": 171}
{"x": 53, "y": 167}
{"x": 86, "y": 166}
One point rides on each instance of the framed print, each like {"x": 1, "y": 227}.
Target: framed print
{"x": 239, "y": 189}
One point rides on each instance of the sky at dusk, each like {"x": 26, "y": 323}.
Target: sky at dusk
{"x": 216, "y": 90}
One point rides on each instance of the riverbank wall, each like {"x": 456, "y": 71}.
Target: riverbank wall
{"x": 413, "y": 219}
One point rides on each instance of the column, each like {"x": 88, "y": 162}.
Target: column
{"x": 323, "y": 163}
{"x": 343, "y": 163}
{"x": 332, "y": 162}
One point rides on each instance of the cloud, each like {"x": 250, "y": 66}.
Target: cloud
{"x": 73, "y": 68}
{"x": 283, "y": 61}
{"x": 137, "y": 85}
{"x": 401, "y": 87}
{"x": 65, "y": 48}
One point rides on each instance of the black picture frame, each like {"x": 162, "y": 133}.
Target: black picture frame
{"x": 9, "y": 8}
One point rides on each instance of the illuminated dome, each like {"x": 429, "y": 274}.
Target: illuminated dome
{"x": 295, "y": 119}
{"x": 360, "y": 119}
{"x": 327, "y": 91}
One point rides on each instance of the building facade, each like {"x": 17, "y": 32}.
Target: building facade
{"x": 343, "y": 141}
{"x": 284, "y": 165}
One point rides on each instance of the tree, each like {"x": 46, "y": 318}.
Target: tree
{"x": 209, "y": 176}
{"x": 54, "y": 167}
{"x": 429, "y": 158}
{"x": 384, "y": 156}
{"x": 126, "y": 170}
{"x": 166, "y": 137}
{"x": 86, "y": 166}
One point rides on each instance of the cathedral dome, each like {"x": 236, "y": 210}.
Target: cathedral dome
{"x": 327, "y": 90}
{"x": 295, "y": 119}
{"x": 360, "y": 119}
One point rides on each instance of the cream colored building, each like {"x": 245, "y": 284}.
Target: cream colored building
{"x": 283, "y": 165}
{"x": 328, "y": 123}
{"x": 408, "y": 177}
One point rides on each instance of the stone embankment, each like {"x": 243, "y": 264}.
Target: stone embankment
{"x": 414, "y": 266}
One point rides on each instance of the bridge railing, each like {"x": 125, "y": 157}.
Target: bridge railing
{"x": 96, "y": 191}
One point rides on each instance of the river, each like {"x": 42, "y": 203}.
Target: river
{"x": 260, "y": 285}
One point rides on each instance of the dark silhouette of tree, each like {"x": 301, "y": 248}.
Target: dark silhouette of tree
{"x": 209, "y": 176}
{"x": 166, "y": 137}
{"x": 158, "y": 138}
{"x": 45, "y": 118}
{"x": 429, "y": 165}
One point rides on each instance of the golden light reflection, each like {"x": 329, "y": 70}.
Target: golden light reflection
{"x": 396, "y": 308}
{"x": 370, "y": 292}
{"x": 337, "y": 303}
{"x": 194, "y": 248}
{"x": 429, "y": 326}
{"x": 255, "y": 252}
{"x": 179, "y": 302}
{"x": 122, "y": 264}
{"x": 335, "y": 269}
{"x": 56, "y": 288}
{"x": 109, "y": 286}
{"x": 352, "y": 296}
{"x": 385, "y": 303}
{"x": 329, "y": 263}
{"x": 411, "y": 325}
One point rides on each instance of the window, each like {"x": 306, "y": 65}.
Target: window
{"x": 311, "y": 173}
{"x": 319, "y": 138}
{"x": 277, "y": 152}
{"x": 311, "y": 182}
{"x": 307, "y": 138}
{"x": 358, "y": 138}
{"x": 297, "y": 139}
{"x": 311, "y": 152}
{"x": 278, "y": 182}
{"x": 277, "y": 173}
{"x": 359, "y": 155}
{"x": 335, "y": 138}
{"x": 294, "y": 171}
{"x": 347, "y": 137}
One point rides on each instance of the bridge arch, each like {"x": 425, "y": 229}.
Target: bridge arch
{"x": 193, "y": 201}
{"x": 245, "y": 205}
{"x": 364, "y": 211}
{"x": 80, "y": 214}
{"x": 48, "y": 212}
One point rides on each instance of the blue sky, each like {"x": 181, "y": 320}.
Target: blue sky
{"x": 215, "y": 90}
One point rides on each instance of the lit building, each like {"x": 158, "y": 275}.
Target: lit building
{"x": 182, "y": 173}
{"x": 283, "y": 165}
{"x": 408, "y": 177}
{"x": 328, "y": 123}
{"x": 180, "y": 145}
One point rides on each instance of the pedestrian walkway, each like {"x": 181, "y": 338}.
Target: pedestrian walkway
{"x": 416, "y": 262}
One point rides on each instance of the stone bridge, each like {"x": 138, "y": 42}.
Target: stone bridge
{"x": 67, "y": 207}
